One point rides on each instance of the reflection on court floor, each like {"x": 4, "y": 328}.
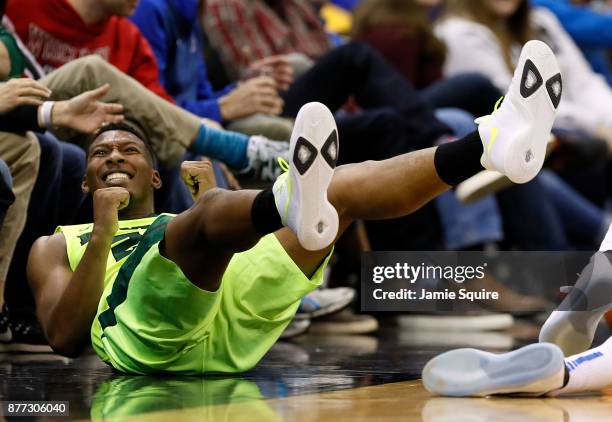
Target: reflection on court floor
{"x": 356, "y": 378}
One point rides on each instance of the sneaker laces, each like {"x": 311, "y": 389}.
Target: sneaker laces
{"x": 21, "y": 328}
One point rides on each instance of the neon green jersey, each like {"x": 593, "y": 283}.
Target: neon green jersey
{"x": 124, "y": 243}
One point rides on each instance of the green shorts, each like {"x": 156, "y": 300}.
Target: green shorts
{"x": 164, "y": 323}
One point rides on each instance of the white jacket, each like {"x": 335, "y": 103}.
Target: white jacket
{"x": 587, "y": 99}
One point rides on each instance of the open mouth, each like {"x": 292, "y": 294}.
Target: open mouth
{"x": 115, "y": 177}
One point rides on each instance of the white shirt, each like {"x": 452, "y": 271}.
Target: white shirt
{"x": 586, "y": 102}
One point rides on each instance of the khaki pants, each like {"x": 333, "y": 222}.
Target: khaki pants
{"x": 22, "y": 155}
{"x": 169, "y": 129}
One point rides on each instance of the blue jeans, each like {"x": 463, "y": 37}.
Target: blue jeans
{"x": 6, "y": 193}
{"x": 466, "y": 225}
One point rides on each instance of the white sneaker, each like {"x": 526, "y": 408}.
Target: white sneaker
{"x": 325, "y": 301}
{"x": 296, "y": 328}
{"x": 301, "y": 193}
{"x": 263, "y": 154}
{"x": 535, "y": 369}
{"x": 514, "y": 137}
{"x": 572, "y": 326}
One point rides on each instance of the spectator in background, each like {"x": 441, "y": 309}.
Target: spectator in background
{"x": 401, "y": 31}
{"x": 243, "y": 31}
{"x": 173, "y": 31}
{"x": 590, "y": 28}
{"x": 60, "y": 31}
{"x": 486, "y": 35}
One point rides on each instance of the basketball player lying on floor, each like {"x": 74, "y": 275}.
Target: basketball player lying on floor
{"x": 211, "y": 289}
{"x": 541, "y": 369}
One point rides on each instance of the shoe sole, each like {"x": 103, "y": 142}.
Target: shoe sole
{"x": 361, "y": 327}
{"x": 572, "y": 326}
{"x": 482, "y": 184}
{"x": 530, "y": 94}
{"x": 454, "y": 322}
{"x": 295, "y": 328}
{"x": 471, "y": 372}
{"x": 314, "y": 153}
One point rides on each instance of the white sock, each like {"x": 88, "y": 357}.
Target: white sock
{"x": 606, "y": 245}
{"x": 588, "y": 371}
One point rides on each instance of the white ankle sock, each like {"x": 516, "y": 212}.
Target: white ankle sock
{"x": 588, "y": 371}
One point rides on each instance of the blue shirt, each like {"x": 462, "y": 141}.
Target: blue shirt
{"x": 173, "y": 30}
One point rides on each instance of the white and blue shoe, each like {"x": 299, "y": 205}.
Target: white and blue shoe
{"x": 572, "y": 325}
{"x": 301, "y": 192}
{"x": 532, "y": 370}
{"x": 325, "y": 301}
{"x": 515, "y": 136}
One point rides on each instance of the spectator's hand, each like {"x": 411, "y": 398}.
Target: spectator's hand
{"x": 107, "y": 202}
{"x": 84, "y": 113}
{"x": 277, "y": 67}
{"x": 257, "y": 95}
{"x": 22, "y": 91}
{"x": 199, "y": 177}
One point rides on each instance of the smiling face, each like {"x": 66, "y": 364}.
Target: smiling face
{"x": 118, "y": 158}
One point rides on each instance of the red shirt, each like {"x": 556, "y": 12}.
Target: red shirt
{"x": 55, "y": 34}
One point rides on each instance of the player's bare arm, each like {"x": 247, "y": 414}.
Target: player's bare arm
{"x": 67, "y": 301}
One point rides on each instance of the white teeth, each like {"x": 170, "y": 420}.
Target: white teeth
{"x": 116, "y": 177}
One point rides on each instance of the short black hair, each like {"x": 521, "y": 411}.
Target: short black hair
{"x": 132, "y": 128}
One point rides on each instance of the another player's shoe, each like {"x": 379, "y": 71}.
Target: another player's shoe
{"x": 572, "y": 326}
{"x": 514, "y": 137}
{"x": 325, "y": 301}
{"x": 263, "y": 154}
{"x": 533, "y": 370}
{"x": 301, "y": 192}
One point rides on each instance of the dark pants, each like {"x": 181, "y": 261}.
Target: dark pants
{"x": 6, "y": 193}
{"x": 55, "y": 200}
{"x": 471, "y": 92}
{"x": 355, "y": 70}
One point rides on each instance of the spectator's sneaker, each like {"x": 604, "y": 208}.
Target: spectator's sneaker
{"x": 572, "y": 326}
{"x": 458, "y": 321}
{"x": 534, "y": 370}
{"x": 27, "y": 336}
{"x": 344, "y": 322}
{"x": 514, "y": 137}
{"x": 263, "y": 154}
{"x": 323, "y": 301}
{"x": 5, "y": 331}
{"x": 301, "y": 192}
{"x": 295, "y": 328}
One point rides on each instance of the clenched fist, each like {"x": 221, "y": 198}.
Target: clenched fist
{"x": 107, "y": 203}
{"x": 199, "y": 177}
